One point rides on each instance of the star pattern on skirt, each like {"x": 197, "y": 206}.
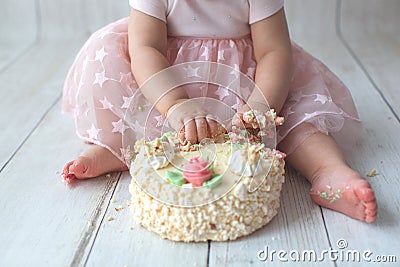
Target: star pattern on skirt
{"x": 93, "y": 132}
{"x": 100, "y": 54}
{"x": 127, "y": 101}
{"x": 160, "y": 120}
{"x": 119, "y": 126}
{"x": 222, "y": 92}
{"x": 106, "y": 104}
{"x": 321, "y": 98}
{"x": 237, "y": 105}
{"x": 192, "y": 72}
{"x": 100, "y": 78}
{"x": 126, "y": 78}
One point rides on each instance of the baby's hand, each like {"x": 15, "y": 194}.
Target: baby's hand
{"x": 256, "y": 119}
{"x": 242, "y": 121}
{"x": 193, "y": 122}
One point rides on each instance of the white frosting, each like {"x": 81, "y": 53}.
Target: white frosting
{"x": 241, "y": 165}
{"x": 158, "y": 162}
{"x": 161, "y": 159}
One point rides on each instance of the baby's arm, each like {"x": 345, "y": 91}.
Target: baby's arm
{"x": 147, "y": 49}
{"x": 272, "y": 49}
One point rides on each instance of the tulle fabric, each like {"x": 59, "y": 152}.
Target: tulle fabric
{"x": 100, "y": 87}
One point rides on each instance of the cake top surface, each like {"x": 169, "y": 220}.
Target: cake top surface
{"x": 191, "y": 175}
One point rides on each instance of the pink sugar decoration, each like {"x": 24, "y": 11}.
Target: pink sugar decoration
{"x": 196, "y": 171}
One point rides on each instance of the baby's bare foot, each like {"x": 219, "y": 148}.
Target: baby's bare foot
{"x": 344, "y": 190}
{"x": 93, "y": 162}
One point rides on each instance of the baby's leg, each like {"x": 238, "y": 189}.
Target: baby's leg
{"x": 334, "y": 184}
{"x": 98, "y": 91}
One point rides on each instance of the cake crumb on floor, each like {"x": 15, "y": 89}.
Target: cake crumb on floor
{"x": 372, "y": 173}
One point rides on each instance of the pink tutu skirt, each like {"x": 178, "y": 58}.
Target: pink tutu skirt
{"x": 100, "y": 88}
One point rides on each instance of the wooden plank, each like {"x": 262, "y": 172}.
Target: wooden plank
{"x": 370, "y": 17}
{"x": 11, "y": 50}
{"x": 297, "y": 226}
{"x": 379, "y": 149}
{"x": 376, "y": 148}
{"x": 45, "y": 223}
{"x": 29, "y": 87}
{"x": 375, "y": 42}
{"x": 311, "y": 21}
{"x": 18, "y": 29}
{"x": 18, "y": 17}
{"x": 138, "y": 246}
{"x": 63, "y": 19}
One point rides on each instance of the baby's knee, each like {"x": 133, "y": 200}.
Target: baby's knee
{"x": 297, "y": 136}
{"x": 111, "y": 40}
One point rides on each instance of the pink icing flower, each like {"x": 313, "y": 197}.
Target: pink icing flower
{"x": 196, "y": 171}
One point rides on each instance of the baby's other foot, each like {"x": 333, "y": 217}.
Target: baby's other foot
{"x": 346, "y": 191}
{"x": 93, "y": 162}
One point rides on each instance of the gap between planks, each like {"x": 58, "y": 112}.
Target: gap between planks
{"x": 31, "y": 95}
{"x": 30, "y": 133}
{"x": 96, "y": 216}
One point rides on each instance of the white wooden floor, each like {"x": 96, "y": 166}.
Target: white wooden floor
{"x": 44, "y": 223}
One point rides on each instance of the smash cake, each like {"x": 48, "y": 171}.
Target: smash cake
{"x": 216, "y": 190}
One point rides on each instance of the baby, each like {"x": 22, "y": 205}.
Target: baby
{"x": 250, "y": 36}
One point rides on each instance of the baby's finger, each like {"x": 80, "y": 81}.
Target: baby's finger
{"x": 181, "y": 134}
{"x": 201, "y": 125}
{"x": 238, "y": 121}
{"x": 191, "y": 131}
{"x": 179, "y": 127}
{"x": 212, "y": 127}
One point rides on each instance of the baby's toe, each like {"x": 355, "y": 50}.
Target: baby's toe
{"x": 66, "y": 175}
{"x": 364, "y": 191}
{"x": 371, "y": 211}
{"x": 81, "y": 168}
